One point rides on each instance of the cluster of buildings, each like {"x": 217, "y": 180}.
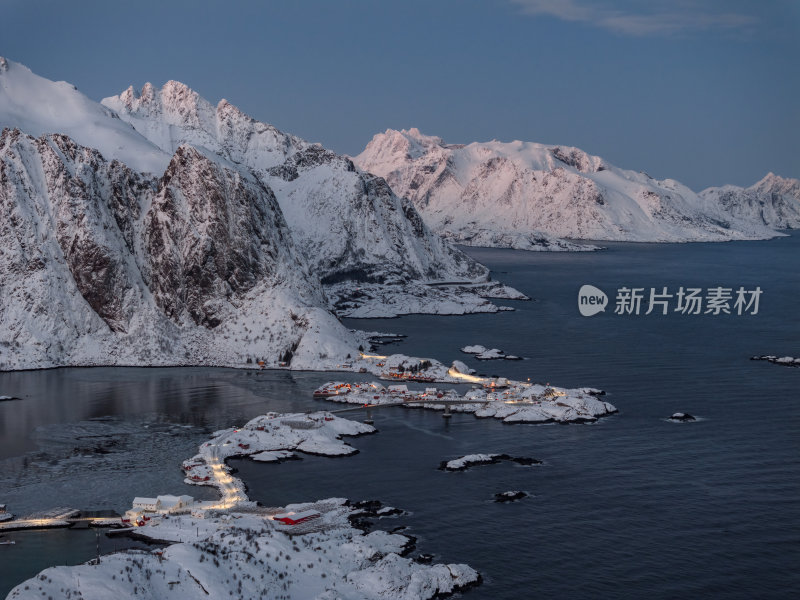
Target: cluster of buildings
{"x": 144, "y": 508}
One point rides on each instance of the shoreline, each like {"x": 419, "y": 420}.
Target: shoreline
{"x": 335, "y": 521}
{"x": 320, "y": 433}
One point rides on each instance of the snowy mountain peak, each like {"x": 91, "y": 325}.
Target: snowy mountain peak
{"x": 410, "y": 142}
{"x": 416, "y": 135}
{"x": 772, "y": 183}
{"x": 129, "y": 95}
{"x": 175, "y": 102}
{"x": 175, "y": 114}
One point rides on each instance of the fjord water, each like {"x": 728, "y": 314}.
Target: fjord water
{"x": 629, "y": 507}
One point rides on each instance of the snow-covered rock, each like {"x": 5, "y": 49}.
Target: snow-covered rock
{"x": 787, "y": 361}
{"x": 272, "y": 455}
{"x": 484, "y": 353}
{"x": 506, "y": 194}
{"x": 510, "y": 496}
{"x": 682, "y": 417}
{"x": 328, "y": 556}
{"x": 465, "y": 462}
{"x": 461, "y": 367}
{"x": 474, "y": 349}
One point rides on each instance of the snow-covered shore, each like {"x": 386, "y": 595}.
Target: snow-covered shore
{"x": 378, "y": 301}
{"x": 232, "y": 547}
{"x": 249, "y": 555}
{"x": 269, "y": 437}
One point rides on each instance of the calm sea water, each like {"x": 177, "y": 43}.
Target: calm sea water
{"x": 632, "y": 506}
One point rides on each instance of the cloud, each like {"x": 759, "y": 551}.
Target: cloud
{"x": 641, "y": 18}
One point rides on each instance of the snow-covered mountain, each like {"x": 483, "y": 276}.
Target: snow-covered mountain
{"x": 773, "y": 201}
{"x": 103, "y": 265}
{"x": 118, "y": 250}
{"x": 502, "y": 194}
{"x": 350, "y": 224}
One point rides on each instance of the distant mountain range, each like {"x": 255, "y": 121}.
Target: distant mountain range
{"x": 528, "y": 195}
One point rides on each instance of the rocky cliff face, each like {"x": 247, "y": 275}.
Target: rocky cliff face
{"x": 349, "y": 224}
{"x": 103, "y": 265}
{"x": 515, "y": 193}
{"x": 211, "y": 234}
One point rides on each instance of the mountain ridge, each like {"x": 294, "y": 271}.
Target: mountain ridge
{"x": 320, "y": 192}
{"x": 508, "y": 190}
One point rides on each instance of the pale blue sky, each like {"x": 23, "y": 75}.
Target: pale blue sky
{"x": 703, "y": 91}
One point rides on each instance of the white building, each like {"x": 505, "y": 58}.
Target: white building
{"x": 170, "y": 503}
{"x": 146, "y": 504}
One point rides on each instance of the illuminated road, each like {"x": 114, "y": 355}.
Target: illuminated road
{"x": 231, "y": 488}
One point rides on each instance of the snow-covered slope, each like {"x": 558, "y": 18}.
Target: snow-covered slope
{"x": 490, "y": 193}
{"x": 38, "y": 106}
{"x": 349, "y": 223}
{"x": 773, "y": 201}
{"x": 103, "y": 265}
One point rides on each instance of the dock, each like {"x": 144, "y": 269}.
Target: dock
{"x": 55, "y": 518}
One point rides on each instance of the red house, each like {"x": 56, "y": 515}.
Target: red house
{"x": 296, "y": 518}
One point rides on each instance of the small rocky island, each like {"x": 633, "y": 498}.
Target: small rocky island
{"x": 682, "y": 417}
{"x": 470, "y": 460}
{"x": 786, "y": 361}
{"x": 484, "y": 353}
{"x": 510, "y": 496}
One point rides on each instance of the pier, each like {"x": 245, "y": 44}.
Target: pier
{"x": 57, "y": 518}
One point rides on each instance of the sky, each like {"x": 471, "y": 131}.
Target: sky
{"x": 702, "y": 91}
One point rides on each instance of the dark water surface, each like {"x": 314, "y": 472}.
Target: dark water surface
{"x": 633, "y": 506}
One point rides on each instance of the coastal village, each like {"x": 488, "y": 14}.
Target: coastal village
{"x": 274, "y": 437}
